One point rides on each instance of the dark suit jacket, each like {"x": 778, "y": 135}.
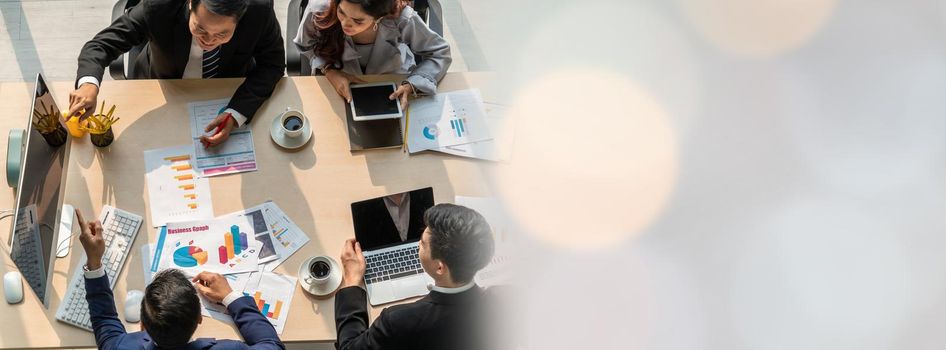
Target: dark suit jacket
{"x": 255, "y": 51}
{"x": 438, "y": 321}
{"x": 374, "y": 226}
{"x": 110, "y": 333}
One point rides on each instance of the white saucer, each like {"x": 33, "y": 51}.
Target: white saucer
{"x": 334, "y": 278}
{"x": 279, "y": 135}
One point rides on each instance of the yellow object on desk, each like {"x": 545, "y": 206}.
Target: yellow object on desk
{"x": 75, "y": 126}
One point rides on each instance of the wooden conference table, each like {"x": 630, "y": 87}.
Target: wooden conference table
{"x": 314, "y": 186}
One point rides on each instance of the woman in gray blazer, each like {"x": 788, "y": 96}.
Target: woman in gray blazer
{"x": 347, "y": 38}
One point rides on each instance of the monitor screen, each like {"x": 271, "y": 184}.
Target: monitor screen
{"x": 39, "y": 194}
{"x": 392, "y": 219}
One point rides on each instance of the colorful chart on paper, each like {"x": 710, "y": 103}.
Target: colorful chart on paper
{"x": 272, "y": 295}
{"x": 175, "y": 191}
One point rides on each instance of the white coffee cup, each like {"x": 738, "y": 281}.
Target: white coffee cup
{"x": 292, "y": 123}
{"x": 316, "y": 279}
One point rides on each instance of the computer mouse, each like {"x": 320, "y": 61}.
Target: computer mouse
{"x": 133, "y": 305}
{"x": 13, "y": 287}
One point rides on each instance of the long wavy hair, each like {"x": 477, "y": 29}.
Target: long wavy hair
{"x": 330, "y": 41}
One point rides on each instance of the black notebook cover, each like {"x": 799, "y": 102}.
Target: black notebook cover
{"x": 372, "y": 134}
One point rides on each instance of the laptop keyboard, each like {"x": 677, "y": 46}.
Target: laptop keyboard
{"x": 392, "y": 264}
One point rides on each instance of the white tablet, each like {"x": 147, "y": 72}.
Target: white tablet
{"x": 371, "y": 102}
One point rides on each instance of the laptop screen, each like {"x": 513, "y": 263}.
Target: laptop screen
{"x": 391, "y": 220}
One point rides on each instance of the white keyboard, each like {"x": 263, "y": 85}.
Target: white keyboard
{"x": 28, "y": 251}
{"x": 119, "y": 230}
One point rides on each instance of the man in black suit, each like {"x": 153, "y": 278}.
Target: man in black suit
{"x": 192, "y": 39}
{"x": 456, "y": 244}
{"x": 391, "y": 219}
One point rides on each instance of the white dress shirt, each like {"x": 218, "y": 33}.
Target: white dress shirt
{"x": 456, "y": 290}
{"x": 193, "y": 70}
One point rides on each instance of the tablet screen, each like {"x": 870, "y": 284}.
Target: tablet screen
{"x": 373, "y": 100}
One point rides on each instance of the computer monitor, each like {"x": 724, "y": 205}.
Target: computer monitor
{"x": 39, "y": 196}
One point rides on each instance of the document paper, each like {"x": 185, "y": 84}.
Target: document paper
{"x": 446, "y": 119}
{"x": 219, "y": 246}
{"x": 176, "y": 192}
{"x": 237, "y": 154}
{"x": 273, "y": 296}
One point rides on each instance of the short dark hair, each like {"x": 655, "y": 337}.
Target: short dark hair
{"x": 460, "y": 237}
{"x": 232, "y": 8}
{"x": 170, "y": 309}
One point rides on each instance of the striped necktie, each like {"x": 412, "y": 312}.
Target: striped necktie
{"x": 210, "y": 63}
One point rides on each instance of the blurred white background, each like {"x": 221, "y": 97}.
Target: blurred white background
{"x": 727, "y": 174}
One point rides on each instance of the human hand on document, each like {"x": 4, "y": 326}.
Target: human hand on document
{"x": 353, "y": 264}
{"x": 212, "y": 286}
{"x": 83, "y": 99}
{"x": 92, "y": 241}
{"x": 223, "y": 124}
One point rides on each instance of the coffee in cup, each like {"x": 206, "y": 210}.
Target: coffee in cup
{"x": 292, "y": 122}
{"x": 319, "y": 269}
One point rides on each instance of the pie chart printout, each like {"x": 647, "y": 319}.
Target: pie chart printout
{"x": 190, "y": 256}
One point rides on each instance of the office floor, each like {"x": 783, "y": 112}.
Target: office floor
{"x": 46, "y": 35}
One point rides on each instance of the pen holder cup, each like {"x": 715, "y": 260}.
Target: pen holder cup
{"x": 102, "y": 139}
{"x": 56, "y": 137}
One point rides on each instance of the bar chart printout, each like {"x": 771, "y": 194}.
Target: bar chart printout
{"x": 218, "y": 245}
{"x": 175, "y": 191}
{"x": 235, "y": 242}
{"x": 273, "y": 297}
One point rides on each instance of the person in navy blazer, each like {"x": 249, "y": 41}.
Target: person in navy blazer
{"x": 170, "y": 309}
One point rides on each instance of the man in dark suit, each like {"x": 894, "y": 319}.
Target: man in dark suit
{"x": 192, "y": 39}
{"x": 456, "y": 244}
{"x": 170, "y": 310}
{"x": 391, "y": 219}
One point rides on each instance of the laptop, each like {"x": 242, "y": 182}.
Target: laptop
{"x": 389, "y": 229}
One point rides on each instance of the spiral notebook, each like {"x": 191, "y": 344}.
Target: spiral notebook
{"x": 373, "y": 134}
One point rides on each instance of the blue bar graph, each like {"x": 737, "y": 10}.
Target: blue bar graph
{"x": 237, "y": 244}
{"x": 458, "y": 127}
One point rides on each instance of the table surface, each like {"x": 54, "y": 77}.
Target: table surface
{"x": 314, "y": 186}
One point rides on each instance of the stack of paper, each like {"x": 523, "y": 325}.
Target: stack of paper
{"x": 497, "y": 149}
{"x": 458, "y": 123}
{"x": 242, "y": 246}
